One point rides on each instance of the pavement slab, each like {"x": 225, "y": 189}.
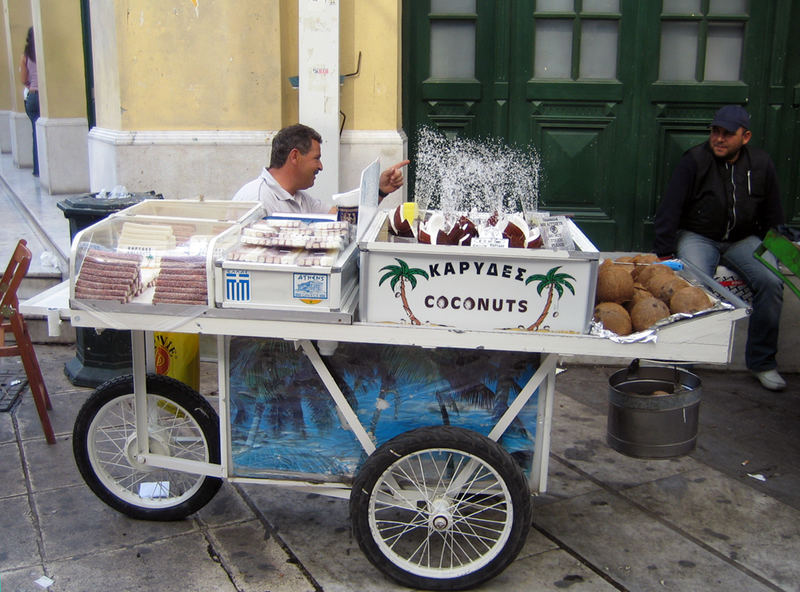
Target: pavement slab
{"x": 75, "y": 523}
{"x": 153, "y": 565}
{"x": 13, "y": 481}
{"x": 755, "y": 531}
{"x": 17, "y": 519}
{"x": 252, "y": 557}
{"x": 636, "y": 551}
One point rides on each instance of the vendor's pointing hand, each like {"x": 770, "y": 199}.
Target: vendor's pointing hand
{"x": 392, "y": 178}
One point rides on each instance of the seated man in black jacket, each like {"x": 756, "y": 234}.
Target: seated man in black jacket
{"x": 722, "y": 198}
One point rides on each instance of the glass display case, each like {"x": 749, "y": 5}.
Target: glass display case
{"x": 145, "y": 261}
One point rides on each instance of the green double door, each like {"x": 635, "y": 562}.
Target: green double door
{"x": 610, "y": 92}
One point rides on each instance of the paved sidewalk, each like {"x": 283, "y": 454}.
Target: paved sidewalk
{"x": 608, "y": 522}
{"x": 726, "y": 517}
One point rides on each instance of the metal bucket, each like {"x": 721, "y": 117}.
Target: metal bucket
{"x": 653, "y": 411}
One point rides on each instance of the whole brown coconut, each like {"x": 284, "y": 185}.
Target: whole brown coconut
{"x": 639, "y": 293}
{"x": 647, "y": 312}
{"x": 645, "y": 258}
{"x": 613, "y": 317}
{"x": 664, "y": 286}
{"x": 643, "y": 273}
{"x": 614, "y": 284}
{"x": 689, "y": 300}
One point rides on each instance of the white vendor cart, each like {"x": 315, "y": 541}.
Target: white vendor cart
{"x": 436, "y": 434}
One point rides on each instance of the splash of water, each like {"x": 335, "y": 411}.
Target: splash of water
{"x": 458, "y": 175}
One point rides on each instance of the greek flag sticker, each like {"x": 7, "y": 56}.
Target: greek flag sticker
{"x": 237, "y": 286}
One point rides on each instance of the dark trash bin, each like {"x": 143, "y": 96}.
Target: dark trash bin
{"x": 653, "y": 411}
{"x": 99, "y": 356}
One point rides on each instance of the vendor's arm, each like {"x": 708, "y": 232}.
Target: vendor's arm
{"x": 669, "y": 211}
{"x": 392, "y": 178}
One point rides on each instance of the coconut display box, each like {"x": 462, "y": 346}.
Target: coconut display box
{"x": 447, "y": 275}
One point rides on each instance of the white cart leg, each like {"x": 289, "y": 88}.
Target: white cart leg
{"x": 544, "y": 422}
{"x": 139, "y": 355}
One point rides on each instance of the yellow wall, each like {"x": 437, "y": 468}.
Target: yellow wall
{"x": 18, "y": 14}
{"x": 213, "y": 65}
{"x": 289, "y": 66}
{"x": 372, "y": 99}
{"x": 5, "y": 66}
{"x": 174, "y": 65}
{"x": 105, "y": 62}
{"x": 60, "y": 59}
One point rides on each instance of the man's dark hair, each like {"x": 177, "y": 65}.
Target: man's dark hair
{"x": 294, "y": 136}
{"x": 30, "y": 48}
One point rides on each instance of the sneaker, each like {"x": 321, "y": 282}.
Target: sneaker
{"x": 770, "y": 380}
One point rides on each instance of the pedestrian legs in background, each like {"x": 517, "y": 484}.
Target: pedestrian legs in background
{"x": 32, "y": 109}
{"x": 762, "y": 333}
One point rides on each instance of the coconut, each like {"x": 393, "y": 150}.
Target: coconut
{"x": 647, "y": 312}
{"x": 462, "y": 232}
{"x": 644, "y": 258}
{"x": 614, "y": 284}
{"x": 613, "y": 317}
{"x": 400, "y": 219}
{"x": 689, "y": 300}
{"x": 516, "y": 231}
{"x": 430, "y": 230}
{"x": 643, "y": 273}
{"x": 639, "y": 293}
{"x": 535, "y": 240}
{"x": 664, "y": 286}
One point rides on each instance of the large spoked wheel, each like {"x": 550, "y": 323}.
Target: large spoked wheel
{"x": 440, "y": 508}
{"x": 181, "y": 424}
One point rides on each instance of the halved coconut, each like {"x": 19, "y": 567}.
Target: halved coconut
{"x": 402, "y": 218}
{"x": 516, "y": 231}
{"x": 430, "y": 230}
{"x": 535, "y": 240}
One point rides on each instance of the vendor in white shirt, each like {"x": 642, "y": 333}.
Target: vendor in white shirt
{"x": 293, "y": 167}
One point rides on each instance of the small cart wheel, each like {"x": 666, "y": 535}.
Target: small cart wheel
{"x": 181, "y": 424}
{"x": 440, "y": 508}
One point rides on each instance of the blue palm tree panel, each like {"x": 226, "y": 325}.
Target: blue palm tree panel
{"x": 284, "y": 422}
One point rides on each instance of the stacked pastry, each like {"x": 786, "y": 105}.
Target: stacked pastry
{"x": 259, "y": 254}
{"x": 182, "y": 280}
{"x": 144, "y": 238}
{"x": 183, "y": 232}
{"x": 296, "y": 234}
{"x": 109, "y": 276}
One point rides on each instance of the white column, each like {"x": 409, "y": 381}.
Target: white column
{"x": 319, "y": 85}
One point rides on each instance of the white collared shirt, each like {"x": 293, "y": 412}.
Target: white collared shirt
{"x": 275, "y": 198}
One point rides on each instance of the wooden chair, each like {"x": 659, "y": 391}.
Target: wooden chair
{"x": 11, "y": 319}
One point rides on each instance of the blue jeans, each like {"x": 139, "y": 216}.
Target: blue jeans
{"x": 762, "y": 335}
{"x": 32, "y": 109}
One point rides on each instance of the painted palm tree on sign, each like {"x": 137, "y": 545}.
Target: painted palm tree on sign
{"x": 403, "y": 273}
{"x": 553, "y": 281}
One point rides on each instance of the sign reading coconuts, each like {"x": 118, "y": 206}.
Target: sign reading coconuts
{"x": 476, "y": 287}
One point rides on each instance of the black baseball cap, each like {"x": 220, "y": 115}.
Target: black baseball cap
{"x": 731, "y": 118}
